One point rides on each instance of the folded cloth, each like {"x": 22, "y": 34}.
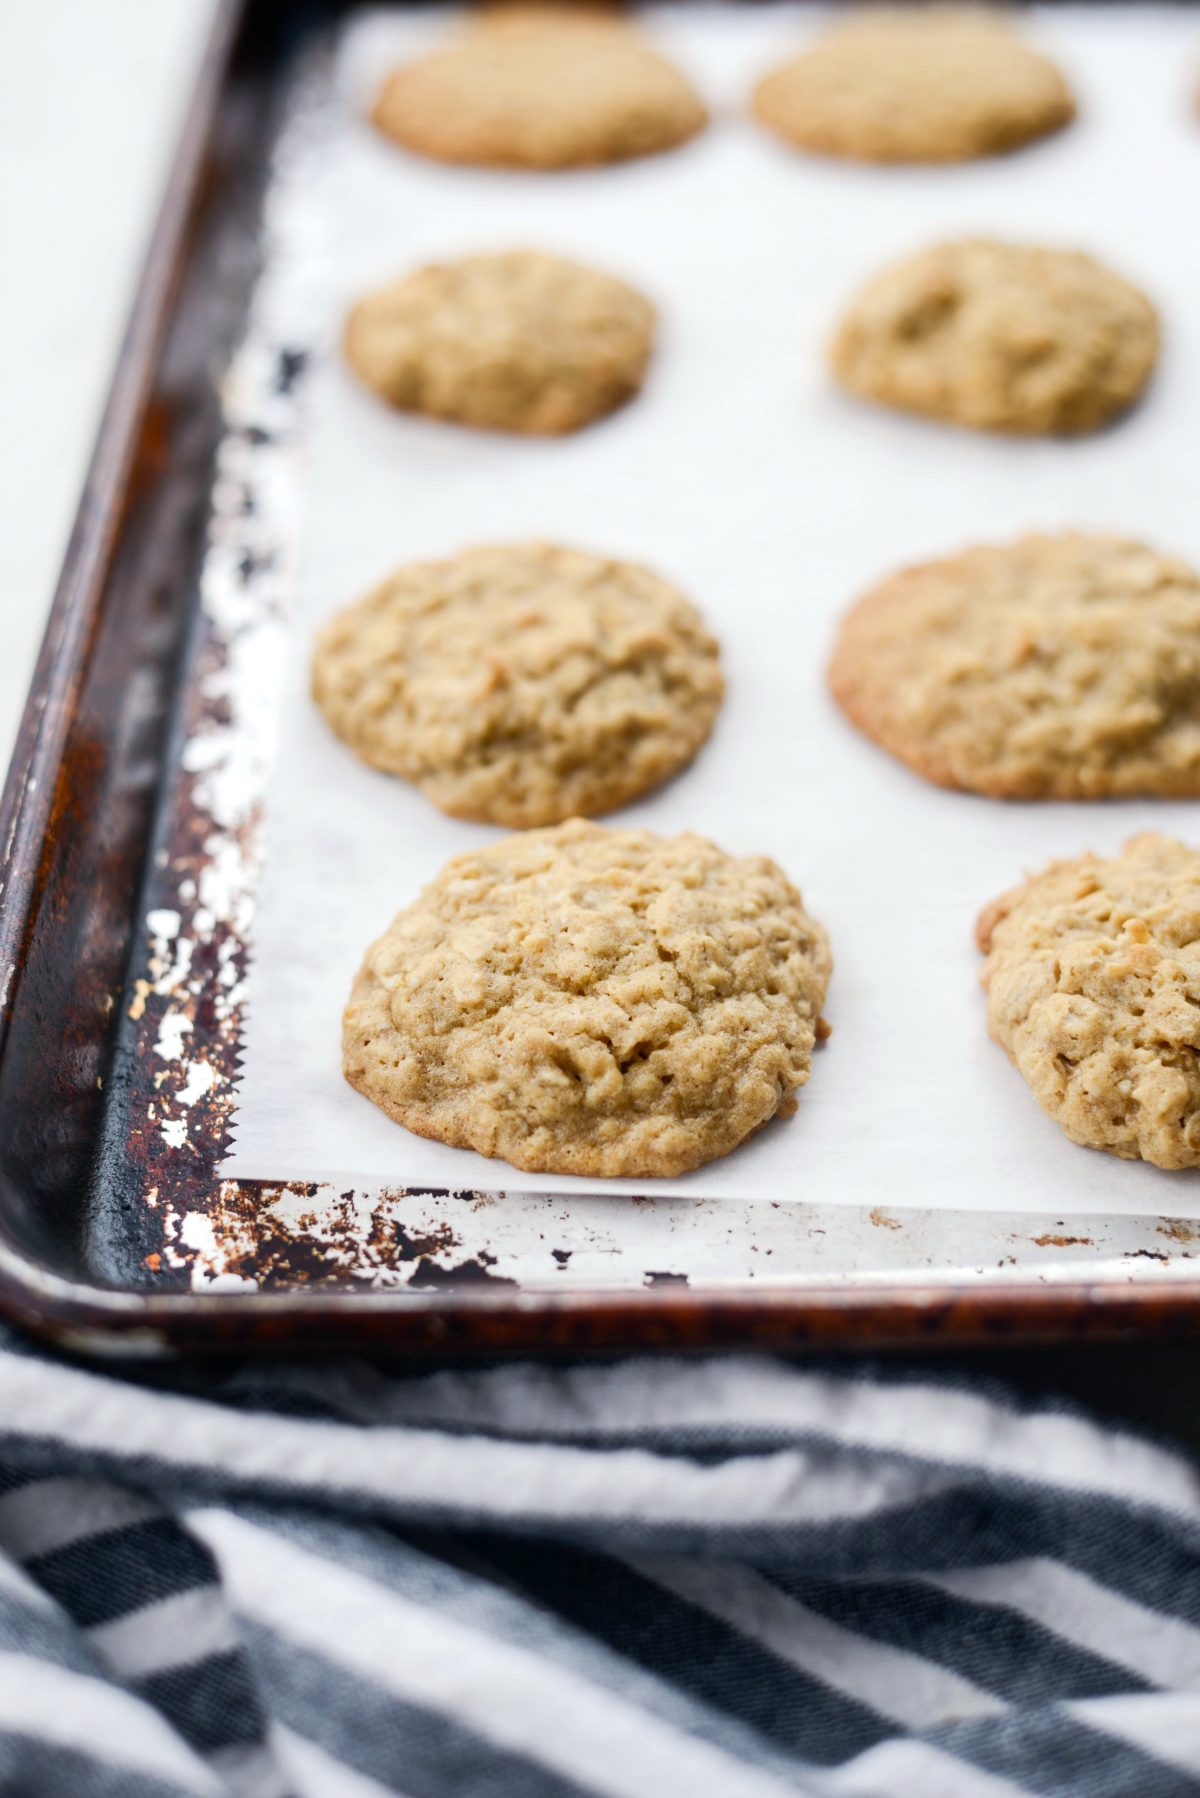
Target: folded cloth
{"x": 655, "y": 1579}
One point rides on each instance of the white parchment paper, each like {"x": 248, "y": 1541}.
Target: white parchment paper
{"x": 773, "y": 500}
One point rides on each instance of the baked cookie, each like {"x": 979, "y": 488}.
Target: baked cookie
{"x": 521, "y": 683}
{"x": 999, "y": 337}
{"x": 591, "y": 1001}
{"x": 515, "y": 342}
{"x": 540, "y": 89}
{"x": 923, "y": 85}
{"x": 1093, "y": 984}
{"x": 1051, "y": 668}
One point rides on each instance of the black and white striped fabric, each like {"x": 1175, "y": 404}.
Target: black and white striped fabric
{"x": 649, "y": 1580}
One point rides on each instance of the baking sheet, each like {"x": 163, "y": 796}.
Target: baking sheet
{"x": 773, "y": 500}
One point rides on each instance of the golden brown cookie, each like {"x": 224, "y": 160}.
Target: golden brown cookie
{"x": 540, "y": 89}
{"x": 1093, "y": 984}
{"x": 928, "y": 84}
{"x": 521, "y": 683}
{"x": 515, "y": 342}
{"x": 591, "y": 1001}
{"x": 1051, "y": 668}
{"x": 999, "y": 337}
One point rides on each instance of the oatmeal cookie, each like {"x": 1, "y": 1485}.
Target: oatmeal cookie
{"x": 540, "y": 89}
{"x": 515, "y": 342}
{"x": 927, "y": 84}
{"x": 591, "y": 1001}
{"x": 999, "y": 337}
{"x": 1051, "y": 668}
{"x": 521, "y": 683}
{"x": 1093, "y": 987}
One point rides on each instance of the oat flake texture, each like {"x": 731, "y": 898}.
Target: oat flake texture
{"x": 518, "y": 341}
{"x": 1093, "y": 985}
{"x": 591, "y": 1001}
{"x": 1052, "y": 668}
{"x": 521, "y": 683}
{"x": 999, "y": 337}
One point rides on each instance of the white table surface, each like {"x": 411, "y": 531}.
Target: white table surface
{"x": 91, "y": 98}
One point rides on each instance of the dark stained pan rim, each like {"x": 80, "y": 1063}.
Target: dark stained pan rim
{"x": 469, "y": 1323}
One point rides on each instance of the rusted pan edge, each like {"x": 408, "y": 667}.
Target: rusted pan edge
{"x": 484, "y": 1322}
{"x": 179, "y": 1039}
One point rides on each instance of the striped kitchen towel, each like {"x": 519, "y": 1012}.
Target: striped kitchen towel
{"x": 713, "y": 1579}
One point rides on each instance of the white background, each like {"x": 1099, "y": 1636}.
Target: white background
{"x": 773, "y": 500}
{"x": 91, "y": 97}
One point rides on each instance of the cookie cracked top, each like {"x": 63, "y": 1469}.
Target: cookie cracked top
{"x": 1062, "y": 667}
{"x": 522, "y": 683}
{"x": 592, "y": 1001}
{"x": 1093, "y": 985}
{"x": 999, "y": 337}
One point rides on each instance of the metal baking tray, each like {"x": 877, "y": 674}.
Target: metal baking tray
{"x": 126, "y": 914}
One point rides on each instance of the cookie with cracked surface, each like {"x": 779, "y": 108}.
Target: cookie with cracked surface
{"x": 591, "y": 1001}
{"x": 530, "y": 89}
{"x": 1093, "y": 989}
{"x": 922, "y": 86}
{"x": 522, "y": 683}
{"x": 1051, "y": 668}
{"x": 514, "y": 342}
{"x": 999, "y": 337}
